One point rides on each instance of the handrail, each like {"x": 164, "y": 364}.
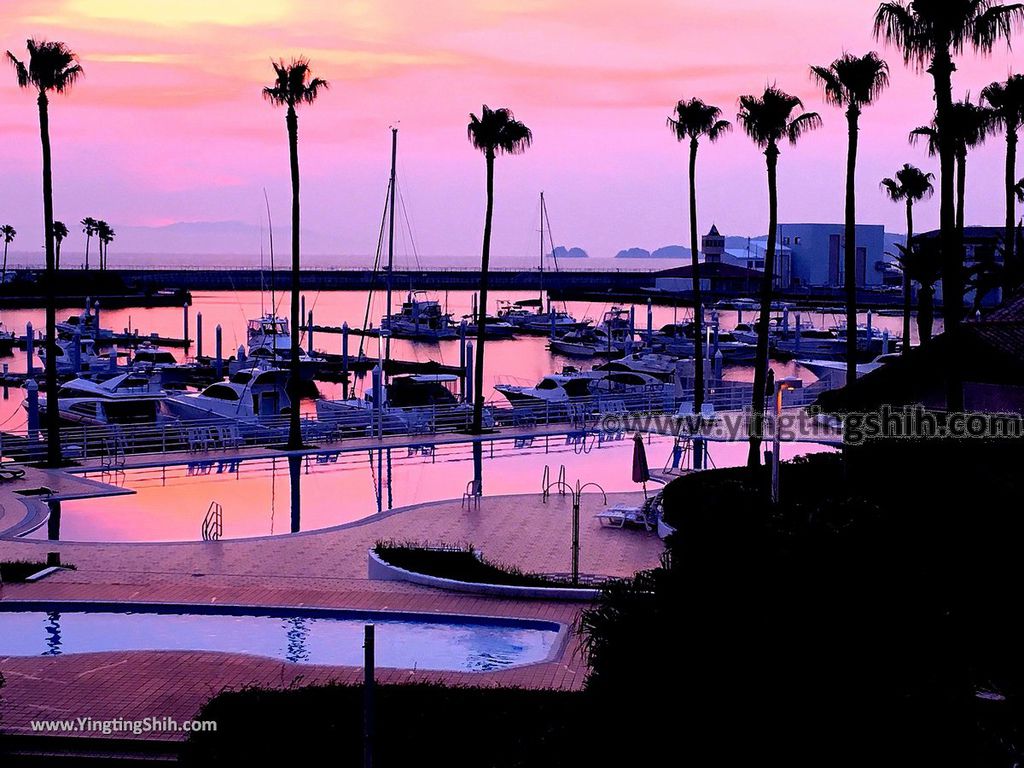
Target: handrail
{"x": 111, "y": 443}
{"x": 213, "y": 523}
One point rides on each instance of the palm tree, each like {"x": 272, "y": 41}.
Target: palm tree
{"x": 52, "y": 67}
{"x": 693, "y": 120}
{"x": 969, "y": 125}
{"x": 921, "y": 262}
{"x": 853, "y": 82}
{"x": 769, "y": 120}
{"x": 929, "y": 33}
{"x": 102, "y": 231}
{"x": 911, "y": 185}
{"x": 106, "y": 237}
{"x": 294, "y": 85}
{"x": 1018, "y": 190}
{"x": 60, "y": 231}
{"x": 1007, "y": 103}
{"x": 494, "y": 131}
{"x": 9, "y": 233}
{"x": 89, "y": 228}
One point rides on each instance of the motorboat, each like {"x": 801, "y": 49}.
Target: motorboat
{"x": 835, "y": 370}
{"x": 84, "y": 324}
{"x": 411, "y": 403}
{"x": 528, "y": 316}
{"x": 677, "y": 339}
{"x": 70, "y": 361}
{"x": 495, "y": 328}
{"x": 128, "y": 398}
{"x": 268, "y": 332}
{"x": 658, "y": 365}
{"x": 572, "y": 384}
{"x": 612, "y": 337}
{"x": 8, "y": 341}
{"x": 420, "y": 319}
{"x": 250, "y": 394}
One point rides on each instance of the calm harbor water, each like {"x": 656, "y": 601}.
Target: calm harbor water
{"x": 523, "y": 360}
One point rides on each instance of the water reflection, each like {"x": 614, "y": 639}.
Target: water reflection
{"x": 53, "y": 634}
{"x": 297, "y": 633}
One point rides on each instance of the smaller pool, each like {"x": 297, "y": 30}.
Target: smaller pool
{"x": 300, "y": 636}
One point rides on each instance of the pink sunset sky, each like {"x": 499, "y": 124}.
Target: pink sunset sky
{"x": 168, "y": 125}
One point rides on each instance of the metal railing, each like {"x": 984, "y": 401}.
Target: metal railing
{"x": 213, "y": 523}
{"x": 577, "y": 416}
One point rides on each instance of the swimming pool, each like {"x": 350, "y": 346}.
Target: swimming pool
{"x": 169, "y": 503}
{"x": 300, "y": 636}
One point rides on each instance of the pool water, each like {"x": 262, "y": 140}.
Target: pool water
{"x": 320, "y": 637}
{"x": 169, "y": 503}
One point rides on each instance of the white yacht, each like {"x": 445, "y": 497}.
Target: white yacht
{"x": 269, "y": 332}
{"x": 87, "y": 357}
{"x": 529, "y": 316}
{"x": 420, "y": 319}
{"x": 560, "y": 388}
{"x": 130, "y": 398}
{"x": 250, "y": 394}
{"x": 414, "y": 402}
{"x": 836, "y": 369}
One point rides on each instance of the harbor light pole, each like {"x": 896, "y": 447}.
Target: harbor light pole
{"x": 781, "y": 386}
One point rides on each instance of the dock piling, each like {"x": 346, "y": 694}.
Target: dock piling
{"x": 309, "y": 333}
{"x": 218, "y": 362}
{"x": 96, "y": 315}
{"x": 184, "y": 325}
{"x": 469, "y": 371}
{"x": 344, "y": 360}
{"x": 199, "y": 334}
{"x": 32, "y": 398}
{"x": 29, "y": 350}
{"x": 462, "y": 358}
{"x": 650, "y": 321}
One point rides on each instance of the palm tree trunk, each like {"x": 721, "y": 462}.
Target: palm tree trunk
{"x": 925, "y": 313}
{"x": 1009, "y": 238}
{"x": 908, "y": 296}
{"x": 961, "y": 192}
{"x": 850, "y": 254}
{"x": 952, "y": 249}
{"x": 481, "y": 323}
{"x": 698, "y": 302}
{"x": 3, "y": 275}
{"x": 767, "y": 285}
{"x": 88, "y": 238}
{"x": 57, "y": 256}
{"x": 53, "y": 453}
{"x": 294, "y": 391}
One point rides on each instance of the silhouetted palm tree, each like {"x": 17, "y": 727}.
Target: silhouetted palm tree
{"x": 496, "y": 130}
{"x": 853, "y": 82}
{"x": 969, "y": 124}
{"x": 106, "y": 237}
{"x": 294, "y": 85}
{"x": 922, "y": 264}
{"x": 695, "y": 120}
{"x": 910, "y": 186}
{"x": 1006, "y": 100}
{"x": 768, "y": 120}
{"x": 89, "y": 228}
{"x": 929, "y": 33}
{"x": 52, "y": 67}
{"x": 8, "y": 233}
{"x": 60, "y": 231}
{"x": 102, "y": 231}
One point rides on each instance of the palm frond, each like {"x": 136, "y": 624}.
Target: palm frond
{"x": 893, "y": 189}
{"x": 805, "y": 123}
{"x": 497, "y": 130}
{"x": 1018, "y": 190}
{"x": 293, "y": 84}
{"x": 20, "y": 70}
{"x": 996, "y": 23}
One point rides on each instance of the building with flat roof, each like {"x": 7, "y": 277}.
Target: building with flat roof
{"x": 818, "y": 254}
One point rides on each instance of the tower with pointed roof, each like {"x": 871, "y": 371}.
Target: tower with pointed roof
{"x": 713, "y": 246}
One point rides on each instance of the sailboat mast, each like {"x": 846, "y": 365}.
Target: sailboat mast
{"x": 542, "y": 251}
{"x": 391, "y": 236}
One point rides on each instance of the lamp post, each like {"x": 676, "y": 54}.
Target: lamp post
{"x": 780, "y": 386}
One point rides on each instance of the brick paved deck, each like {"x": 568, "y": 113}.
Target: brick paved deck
{"x": 321, "y": 568}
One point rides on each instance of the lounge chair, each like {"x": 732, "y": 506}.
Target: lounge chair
{"x": 621, "y": 515}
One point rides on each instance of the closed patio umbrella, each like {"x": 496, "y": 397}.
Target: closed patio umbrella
{"x": 641, "y": 472}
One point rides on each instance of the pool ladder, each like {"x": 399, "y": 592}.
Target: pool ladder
{"x": 546, "y": 485}
{"x": 213, "y": 523}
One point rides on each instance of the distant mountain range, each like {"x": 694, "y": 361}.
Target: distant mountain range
{"x": 733, "y": 242}
{"x": 560, "y": 252}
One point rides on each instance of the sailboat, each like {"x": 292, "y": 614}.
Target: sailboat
{"x": 529, "y": 315}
